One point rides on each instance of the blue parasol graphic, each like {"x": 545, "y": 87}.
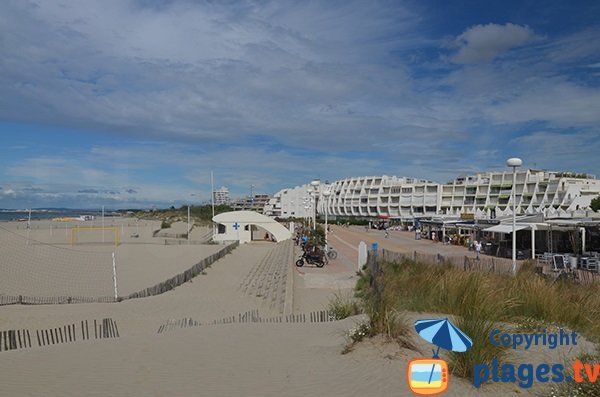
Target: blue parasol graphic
{"x": 443, "y": 333}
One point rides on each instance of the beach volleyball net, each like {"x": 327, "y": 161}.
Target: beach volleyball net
{"x": 98, "y": 234}
{"x": 34, "y": 270}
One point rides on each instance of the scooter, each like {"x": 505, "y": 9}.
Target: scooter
{"x": 319, "y": 260}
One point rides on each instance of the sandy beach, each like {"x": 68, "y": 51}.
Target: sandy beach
{"x": 191, "y": 341}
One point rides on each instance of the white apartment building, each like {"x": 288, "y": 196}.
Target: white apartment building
{"x": 221, "y": 196}
{"x": 484, "y": 195}
{"x": 373, "y": 196}
{"x": 490, "y": 194}
{"x": 294, "y": 202}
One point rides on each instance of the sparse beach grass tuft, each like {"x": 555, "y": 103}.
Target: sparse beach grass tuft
{"x": 343, "y": 305}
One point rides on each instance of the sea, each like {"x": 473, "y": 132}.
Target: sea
{"x": 37, "y": 214}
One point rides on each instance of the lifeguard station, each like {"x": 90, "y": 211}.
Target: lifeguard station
{"x": 246, "y": 226}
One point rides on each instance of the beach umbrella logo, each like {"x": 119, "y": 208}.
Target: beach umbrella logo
{"x": 443, "y": 334}
{"x": 426, "y": 376}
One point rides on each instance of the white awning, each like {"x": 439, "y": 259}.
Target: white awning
{"x": 504, "y": 228}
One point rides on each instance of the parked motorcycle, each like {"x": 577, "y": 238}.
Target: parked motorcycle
{"x": 317, "y": 258}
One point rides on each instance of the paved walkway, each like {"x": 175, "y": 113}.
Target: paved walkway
{"x": 398, "y": 241}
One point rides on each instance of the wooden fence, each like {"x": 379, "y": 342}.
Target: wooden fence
{"x": 163, "y": 233}
{"x": 184, "y": 277}
{"x": 484, "y": 264}
{"x": 52, "y": 300}
{"x": 157, "y": 289}
{"x": 251, "y": 316}
{"x": 22, "y": 338}
{"x": 587, "y": 277}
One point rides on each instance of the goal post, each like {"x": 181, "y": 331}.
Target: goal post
{"x": 75, "y": 233}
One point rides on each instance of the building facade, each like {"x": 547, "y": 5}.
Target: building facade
{"x": 221, "y": 196}
{"x": 255, "y": 203}
{"x": 387, "y": 196}
{"x": 485, "y": 195}
{"x": 291, "y": 203}
{"x": 490, "y": 194}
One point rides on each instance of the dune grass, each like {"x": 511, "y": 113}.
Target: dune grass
{"x": 479, "y": 302}
{"x": 343, "y": 305}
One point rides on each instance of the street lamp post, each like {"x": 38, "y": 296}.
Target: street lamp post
{"x": 304, "y": 214}
{"x": 514, "y": 163}
{"x": 326, "y": 194}
{"x": 307, "y": 218}
{"x": 315, "y": 191}
{"x": 189, "y": 219}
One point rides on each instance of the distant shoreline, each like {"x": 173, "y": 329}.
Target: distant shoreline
{"x": 22, "y": 216}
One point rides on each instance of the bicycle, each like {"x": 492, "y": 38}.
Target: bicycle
{"x": 331, "y": 252}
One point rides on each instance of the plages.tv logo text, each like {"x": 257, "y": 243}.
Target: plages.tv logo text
{"x": 526, "y": 373}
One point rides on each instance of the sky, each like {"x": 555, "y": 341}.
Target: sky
{"x": 132, "y": 103}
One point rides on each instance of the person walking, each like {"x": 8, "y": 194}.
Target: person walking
{"x": 477, "y": 248}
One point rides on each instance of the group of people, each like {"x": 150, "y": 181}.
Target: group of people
{"x": 475, "y": 246}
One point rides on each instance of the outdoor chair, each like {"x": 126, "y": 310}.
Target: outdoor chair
{"x": 562, "y": 269}
{"x": 545, "y": 258}
{"x": 589, "y": 263}
{"x": 559, "y": 264}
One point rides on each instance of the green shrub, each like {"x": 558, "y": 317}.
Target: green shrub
{"x": 343, "y": 305}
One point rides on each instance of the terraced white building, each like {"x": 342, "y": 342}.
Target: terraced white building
{"x": 554, "y": 194}
{"x": 485, "y": 195}
{"x": 381, "y": 196}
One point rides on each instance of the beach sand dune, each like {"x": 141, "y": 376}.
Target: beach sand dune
{"x": 40, "y": 264}
{"x": 234, "y": 359}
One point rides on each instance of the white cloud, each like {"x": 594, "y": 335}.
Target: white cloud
{"x": 274, "y": 93}
{"x": 9, "y": 192}
{"x": 577, "y": 152}
{"x": 203, "y": 71}
{"x": 483, "y": 43}
{"x": 579, "y": 46}
{"x": 558, "y": 102}
{"x": 144, "y": 172}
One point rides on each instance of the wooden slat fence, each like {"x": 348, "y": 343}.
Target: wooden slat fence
{"x": 157, "y": 289}
{"x": 587, "y": 277}
{"x": 186, "y": 276}
{"x": 485, "y": 263}
{"x": 251, "y": 316}
{"x": 52, "y": 300}
{"x": 468, "y": 264}
{"x": 22, "y": 338}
